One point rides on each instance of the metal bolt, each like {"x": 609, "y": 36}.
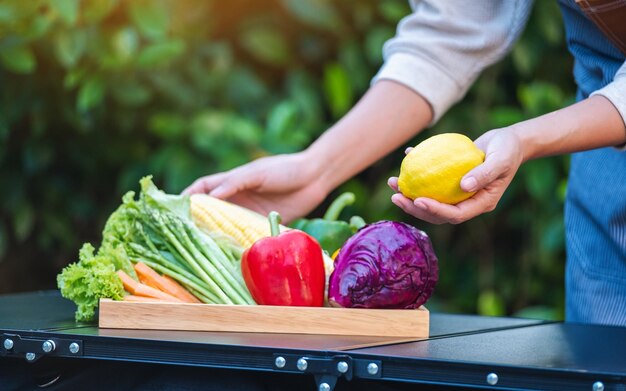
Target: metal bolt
{"x": 598, "y": 386}
{"x": 8, "y": 344}
{"x": 492, "y": 379}
{"x": 48, "y": 346}
{"x": 30, "y": 356}
{"x": 74, "y": 348}
{"x": 324, "y": 387}
{"x": 302, "y": 364}
{"x": 372, "y": 368}
{"x": 342, "y": 367}
{"x": 280, "y": 362}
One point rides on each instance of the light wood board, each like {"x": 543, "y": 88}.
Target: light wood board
{"x": 264, "y": 319}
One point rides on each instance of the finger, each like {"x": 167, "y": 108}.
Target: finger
{"x": 238, "y": 181}
{"x": 480, "y": 203}
{"x": 409, "y": 149}
{"x": 205, "y": 184}
{"x": 393, "y": 183}
{"x": 415, "y": 210}
{"x": 483, "y": 174}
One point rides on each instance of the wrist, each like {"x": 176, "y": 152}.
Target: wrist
{"x": 528, "y": 142}
{"x": 318, "y": 167}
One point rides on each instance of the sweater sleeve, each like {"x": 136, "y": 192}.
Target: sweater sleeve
{"x": 440, "y": 49}
{"x": 615, "y": 92}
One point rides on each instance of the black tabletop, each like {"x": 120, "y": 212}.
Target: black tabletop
{"x": 559, "y": 351}
{"x": 45, "y": 310}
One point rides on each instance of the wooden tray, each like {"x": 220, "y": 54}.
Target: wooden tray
{"x": 264, "y": 319}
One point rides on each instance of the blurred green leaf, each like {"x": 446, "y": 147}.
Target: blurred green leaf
{"x": 23, "y": 221}
{"x": 96, "y": 10}
{"x": 150, "y": 17}
{"x": 338, "y": 89}
{"x": 539, "y": 97}
{"x": 125, "y": 43}
{"x": 67, "y": 9}
{"x": 90, "y": 94}
{"x": 525, "y": 57}
{"x": 540, "y": 178}
{"x": 265, "y": 44}
{"x": 393, "y": 10}
{"x": 206, "y": 128}
{"x": 353, "y": 60}
{"x": 70, "y": 46}
{"x": 244, "y": 131}
{"x": 502, "y": 116}
{"x": 132, "y": 93}
{"x": 161, "y": 53}
{"x": 562, "y": 190}
{"x": 73, "y": 78}
{"x": 167, "y": 126}
{"x": 19, "y": 59}
{"x": 317, "y": 13}
{"x": 282, "y": 118}
{"x": 7, "y": 13}
{"x": 490, "y": 304}
{"x": 374, "y": 43}
{"x": 553, "y": 237}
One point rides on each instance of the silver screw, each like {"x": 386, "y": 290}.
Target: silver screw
{"x": 30, "y": 356}
{"x": 324, "y": 387}
{"x": 372, "y": 368}
{"x": 8, "y": 344}
{"x": 598, "y": 386}
{"x": 48, "y": 346}
{"x": 280, "y": 362}
{"x": 302, "y": 364}
{"x": 342, "y": 367}
{"x": 492, "y": 379}
{"x": 74, "y": 348}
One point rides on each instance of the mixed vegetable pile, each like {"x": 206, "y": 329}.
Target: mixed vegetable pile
{"x": 199, "y": 249}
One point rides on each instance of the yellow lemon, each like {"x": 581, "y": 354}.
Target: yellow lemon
{"x": 435, "y": 167}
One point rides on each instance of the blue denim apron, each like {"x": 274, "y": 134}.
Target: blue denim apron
{"x": 595, "y": 208}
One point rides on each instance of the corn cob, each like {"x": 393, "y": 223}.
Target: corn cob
{"x": 243, "y": 225}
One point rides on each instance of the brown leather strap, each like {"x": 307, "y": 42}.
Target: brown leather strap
{"x": 610, "y": 17}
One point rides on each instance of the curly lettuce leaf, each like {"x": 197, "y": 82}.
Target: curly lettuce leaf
{"x": 90, "y": 279}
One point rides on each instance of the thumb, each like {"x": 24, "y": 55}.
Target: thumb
{"x": 482, "y": 175}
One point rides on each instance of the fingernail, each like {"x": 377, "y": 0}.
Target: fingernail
{"x": 469, "y": 184}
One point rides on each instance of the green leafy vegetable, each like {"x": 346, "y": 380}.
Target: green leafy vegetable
{"x": 92, "y": 278}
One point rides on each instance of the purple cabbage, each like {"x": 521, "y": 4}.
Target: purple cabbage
{"x": 387, "y": 264}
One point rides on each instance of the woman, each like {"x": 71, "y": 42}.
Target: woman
{"x": 439, "y": 50}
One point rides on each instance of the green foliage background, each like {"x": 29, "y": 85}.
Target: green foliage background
{"x": 97, "y": 93}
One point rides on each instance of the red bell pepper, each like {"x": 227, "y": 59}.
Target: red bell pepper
{"x": 285, "y": 269}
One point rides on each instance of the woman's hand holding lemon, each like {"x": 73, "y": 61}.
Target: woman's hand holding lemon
{"x": 444, "y": 179}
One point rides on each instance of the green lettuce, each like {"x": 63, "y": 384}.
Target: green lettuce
{"x": 92, "y": 278}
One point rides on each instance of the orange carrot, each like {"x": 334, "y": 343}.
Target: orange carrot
{"x": 181, "y": 292}
{"x": 142, "y": 299}
{"x": 130, "y": 285}
{"x": 148, "y": 276}
{"x": 145, "y": 290}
